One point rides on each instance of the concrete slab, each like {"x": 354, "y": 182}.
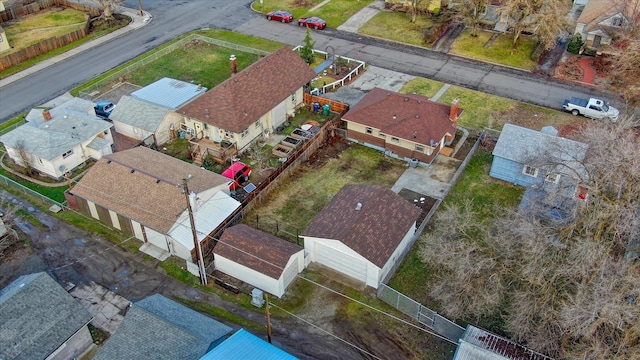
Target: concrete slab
{"x": 107, "y": 307}
{"x": 431, "y": 181}
{"x": 154, "y": 251}
{"x": 360, "y": 18}
{"x": 372, "y": 77}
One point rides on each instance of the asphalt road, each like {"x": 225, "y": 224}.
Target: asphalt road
{"x": 173, "y": 18}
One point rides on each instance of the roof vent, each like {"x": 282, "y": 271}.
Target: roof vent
{"x": 157, "y": 181}
{"x": 415, "y": 134}
{"x": 108, "y": 161}
{"x": 394, "y": 117}
{"x": 406, "y": 99}
{"x": 417, "y": 116}
{"x": 133, "y": 170}
{"x": 358, "y": 206}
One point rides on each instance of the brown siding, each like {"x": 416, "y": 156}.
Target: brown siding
{"x": 403, "y": 152}
{"x": 104, "y": 216}
{"x": 370, "y": 139}
{"x": 83, "y": 206}
{"x": 125, "y": 224}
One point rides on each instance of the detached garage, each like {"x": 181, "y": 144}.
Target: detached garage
{"x": 362, "y": 232}
{"x": 257, "y": 258}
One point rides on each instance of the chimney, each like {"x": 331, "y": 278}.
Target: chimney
{"x": 453, "y": 113}
{"x": 234, "y": 65}
{"x": 46, "y": 115}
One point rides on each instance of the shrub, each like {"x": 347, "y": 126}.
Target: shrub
{"x": 575, "y": 44}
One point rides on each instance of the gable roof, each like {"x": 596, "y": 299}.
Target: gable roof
{"x": 522, "y": 145}
{"x": 374, "y": 231}
{"x": 50, "y": 139}
{"x": 596, "y": 11}
{"x": 147, "y": 185}
{"x": 245, "y": 97}
{"x": 38, "y": 316}
{"x": 256, "y": 250}
{"x": 403, "y": 116}
{"x": 169, "y": 93}
{"x": 78, "y": 106}
{"x": 160, "y": 328}
{"x": 138, "y": 113}
{"x": 244, "y": 345}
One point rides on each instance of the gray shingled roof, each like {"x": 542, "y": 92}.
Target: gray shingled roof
{"x": 375, "y": 230}
{"x": 159, "y": 328}
{"x": 520, "y": 144}
{"x": 56, "y": 136}
{"x": 138, "y": 113}
{"x": 37, "y": 316}
{"x": 169, "y": 93}
{"x": 256, "y": 250}
{"x": 76, "y": 106}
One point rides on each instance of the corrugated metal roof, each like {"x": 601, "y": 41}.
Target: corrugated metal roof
{"x": 244, "y": 345}
{"x": 207, "y": 217}
{"x": 478, "y": 344}
{"x": 170, "y": 93}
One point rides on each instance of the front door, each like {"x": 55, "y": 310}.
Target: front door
{"x": 198, "y": 130}
{"x": 596, "y": 40}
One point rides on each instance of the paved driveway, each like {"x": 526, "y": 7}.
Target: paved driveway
{"x": 373, "y": 77}
{"x": 431, "y": 181}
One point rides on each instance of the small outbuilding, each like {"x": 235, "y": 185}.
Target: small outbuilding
{"x": 257, "y": 258}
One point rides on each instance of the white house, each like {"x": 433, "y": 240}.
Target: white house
{"x": 60, "y": 139}
{"x": 600, "y": 20}
{"x": 362, "y": 232}
{"x": 257, "y": 258}
{"x": 140, "y": 192}
{"x": 144, "y": 115}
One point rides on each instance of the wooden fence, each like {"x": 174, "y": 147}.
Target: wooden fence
{"x": 335, "y": 105}
{"x": 18, "y": 10}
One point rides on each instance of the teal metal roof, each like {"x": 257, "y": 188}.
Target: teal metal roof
{"x": 245, "y": 346}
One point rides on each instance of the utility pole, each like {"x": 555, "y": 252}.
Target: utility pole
{"x": 266, "y": 296}
{"x": 196, "y": 243}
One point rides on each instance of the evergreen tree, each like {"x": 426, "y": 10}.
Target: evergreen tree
{"x": 306, "y": 52}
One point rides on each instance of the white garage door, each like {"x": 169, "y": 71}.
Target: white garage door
{"x": 341, "y": 262}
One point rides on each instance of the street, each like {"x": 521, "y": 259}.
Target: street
{"x": 171, "y": 20}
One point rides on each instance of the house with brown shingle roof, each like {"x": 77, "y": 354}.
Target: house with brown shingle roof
{"x": 404, "y": 126}
{"x": 139, "y": 192}
{"x": 602, "y": 19}
{"x": 251, "y": 103}
{"x": 362, "y": 232}
{"x": 259, "y": 259}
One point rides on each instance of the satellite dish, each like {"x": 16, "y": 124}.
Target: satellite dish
{"x": 62, "y": 168}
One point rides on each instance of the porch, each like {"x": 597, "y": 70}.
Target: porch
{"x": 220, "y": 152}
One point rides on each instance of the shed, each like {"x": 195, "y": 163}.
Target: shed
{"x": 362, "y": 232}
{"x": 169, "y": 93}
{"x": 140, "y": 120}
{"x": 257, "y": 258}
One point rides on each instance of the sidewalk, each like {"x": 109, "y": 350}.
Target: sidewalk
{"x": 137, "y": 22}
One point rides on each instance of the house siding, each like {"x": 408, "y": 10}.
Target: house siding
{"x": 250, "y": 276}
{"x": 511, "y": 171}
{"x": 397, "y": 253}
{"x": 130, "y": 131}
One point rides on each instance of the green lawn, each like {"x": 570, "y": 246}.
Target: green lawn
{"x": 498, "y": 52}
{"x": 422, "y": 86}
{"x": 335, "y": 12}
{"x": 397, "y": 27}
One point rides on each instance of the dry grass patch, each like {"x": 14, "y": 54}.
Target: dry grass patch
{"x": 34, "y": 28}
{"x": 396, "y": 26}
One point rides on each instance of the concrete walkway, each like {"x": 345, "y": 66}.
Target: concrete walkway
{"x": 137, "y": 22}
{"x": 361, "y": 17}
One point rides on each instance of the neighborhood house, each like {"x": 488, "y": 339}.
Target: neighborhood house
{"x": 249, "y": 105}
{"x": 405, "y": 126}
{"x": 361, "y": 233}
{"x": 140, "y": 191}
{"x": 55, "y": 141}
{"x": 601, "y": 20}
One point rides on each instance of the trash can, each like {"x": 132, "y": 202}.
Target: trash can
{"x": 316, "y": 107}
{"x": 326, "y": 109}
{"x": 413, "y": 162}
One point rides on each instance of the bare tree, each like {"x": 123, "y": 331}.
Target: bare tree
{"x": 108, "y": 7}
{"x": 24, "y": 157}
{"x": 625, "y": 67}
{"x": 545, "y": 18}
{"x": 472, "y": 12}
{"x": 569, "y": 289}
{"x": 415, "y": 9}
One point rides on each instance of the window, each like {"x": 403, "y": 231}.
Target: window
{"x": 395, "y": 140}
{"x": 530, "y": 171}
{"x": 369, "y": 130}
{"x": 257, "y": 124}
{"x": 67, "y": 154}
{"x": 228, "y": 134}
{"x": 419, "y": 148}
{"x": 382, "y": 135}
{"x": 293, "y": 97}
{"x": 616, "y": 21}
{"x": 244, "y": 133}
{"x": 552, "y": 178}
{"x": 106, "y": 132}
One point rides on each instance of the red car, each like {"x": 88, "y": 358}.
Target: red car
{"x": 238, "y": 172}
{"x": 312, "y": 22}
{"x": 280, "y": 15}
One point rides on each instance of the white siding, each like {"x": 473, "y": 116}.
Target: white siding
{"x": 156, "y": 238}
{"x": 335, "y": 255}
{"x": 293, "y": 268}
{"x": 93, "y": 210}
{"x": 396, "y": 254}
{"x": 250, "y": 276}
{"x": 278, "y": 114}
{"x": 137, "y": 230}
{"x": 114, "y": 220}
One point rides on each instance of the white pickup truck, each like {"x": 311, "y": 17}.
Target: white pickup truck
{"x": 592, "y": 108}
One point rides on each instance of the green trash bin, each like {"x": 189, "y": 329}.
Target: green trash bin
{"x": 326, "y": 108}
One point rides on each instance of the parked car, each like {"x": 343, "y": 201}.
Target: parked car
{"x": 312, "y": 22}
{"x": 238, "y": 172}
{"x": 104, "y": 108}
{"x": 280, "y": 15}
